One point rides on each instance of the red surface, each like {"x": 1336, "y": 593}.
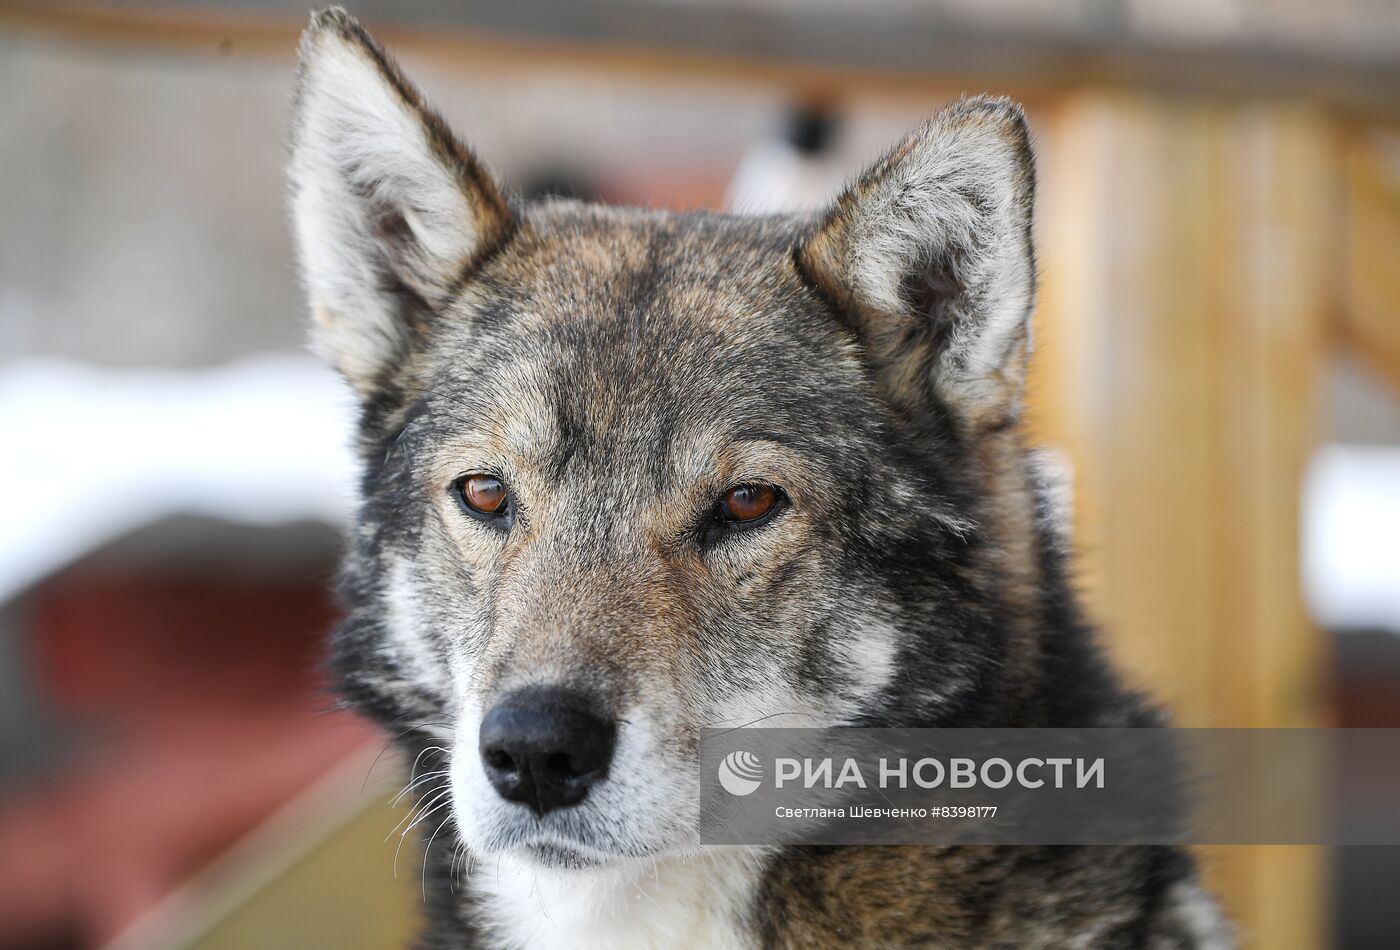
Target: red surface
{"x": 198, "y": 711}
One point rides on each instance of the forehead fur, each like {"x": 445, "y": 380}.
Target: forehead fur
{"x": 588, "y": 263}
{"x": 626, "y": 321}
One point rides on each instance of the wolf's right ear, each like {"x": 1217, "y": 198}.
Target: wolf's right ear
{"x": 390, "y": 210}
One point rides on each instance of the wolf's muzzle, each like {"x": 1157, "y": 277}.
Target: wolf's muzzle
{"x": 545, "y": 749}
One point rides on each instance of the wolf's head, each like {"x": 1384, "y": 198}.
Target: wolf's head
{"x": 628, "y": 474}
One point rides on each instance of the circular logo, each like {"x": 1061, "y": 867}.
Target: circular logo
{"x": 740, "y": 773}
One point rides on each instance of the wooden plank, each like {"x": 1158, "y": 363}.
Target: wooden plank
{"x": 833, "y": 52}
{"x": 1276, "y": 269}
{"x": 474, "y": 51}
{"x": 1370, "y": 320}
{"x": 1187, "y": 247}
{"x": 336, "y": 846}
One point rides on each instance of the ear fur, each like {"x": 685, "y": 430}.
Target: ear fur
{"x": 390, "y": 211}
{"x": 929, "y": 255}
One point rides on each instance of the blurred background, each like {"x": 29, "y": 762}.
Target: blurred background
{"x": 1218, "y": 369}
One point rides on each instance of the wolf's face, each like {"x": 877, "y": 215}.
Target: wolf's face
{"x": 632, "y": 475}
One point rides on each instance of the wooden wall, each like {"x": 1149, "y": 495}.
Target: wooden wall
{"x": 1190, "y": 251}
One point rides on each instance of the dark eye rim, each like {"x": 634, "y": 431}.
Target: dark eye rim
{"x": 500, "y": 518}
{"x": 718, "y": 525}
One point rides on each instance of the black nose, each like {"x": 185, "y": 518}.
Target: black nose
{"x": 545, "y": 749}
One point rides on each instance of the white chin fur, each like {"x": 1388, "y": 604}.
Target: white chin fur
{"x": 698, "y": 900}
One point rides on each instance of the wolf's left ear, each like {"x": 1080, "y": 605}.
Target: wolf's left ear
{"x": 929, "y": 256}
{"x": 390, "y": 210}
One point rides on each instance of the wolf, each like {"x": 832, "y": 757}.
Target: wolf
{"x": 630, "y": 474}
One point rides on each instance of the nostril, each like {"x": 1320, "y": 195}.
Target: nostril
{"x": 499, "y": 759}
{"x": 559, "y": 764}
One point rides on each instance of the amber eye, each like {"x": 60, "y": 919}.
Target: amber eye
{"x": 748, "y": 502}
{"x": 484, "y": 494}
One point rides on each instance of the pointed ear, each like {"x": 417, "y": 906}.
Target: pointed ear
{"x": 390, "y": 210}
{"x": 929, "y": 256}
